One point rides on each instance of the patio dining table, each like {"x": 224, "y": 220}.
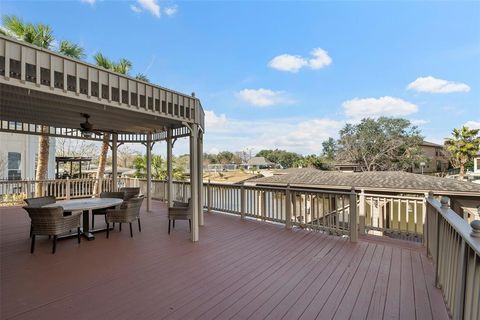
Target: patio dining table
{"x": 86, "y": 205}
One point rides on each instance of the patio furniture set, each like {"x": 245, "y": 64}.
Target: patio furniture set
{"x": 58, "y": 219}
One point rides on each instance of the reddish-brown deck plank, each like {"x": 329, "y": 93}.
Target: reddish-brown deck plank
{"x": 407, "y": 294}
{"x": 239, "y": 269}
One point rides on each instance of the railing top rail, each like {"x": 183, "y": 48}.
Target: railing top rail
{"x": 393, "y": 197}
{"x": 458, "y": 223}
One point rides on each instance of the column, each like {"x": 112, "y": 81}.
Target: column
{"x": 194, "y": 180}
{"x": 169, "y": 167}
{"x": 149, "y": 171}
{"x": 200, "y": 177}
{"x": 114, "y": 162}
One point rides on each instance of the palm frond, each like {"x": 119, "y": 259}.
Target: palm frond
{"x": 142, "y": 77}
{"x": 14, "y": 26}
{"x": 122, "y": 66}
{"x": 102, "y": 61}
{"x": 71, "y": 49}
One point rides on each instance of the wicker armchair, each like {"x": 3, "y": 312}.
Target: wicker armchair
{"x": 129, "y": 213}
{"x": 130, "y": 192}
{"x": 38, "y": 203}
{"x": 180, "y": 211}
{"x": 103, "y": 212}
{"x": 52, "y": 222}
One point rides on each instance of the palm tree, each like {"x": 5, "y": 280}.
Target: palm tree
{"x": 463, "y": 146}
{"x": 122, "y": 66}
{"x": 40, "y": 35}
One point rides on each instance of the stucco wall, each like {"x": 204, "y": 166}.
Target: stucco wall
{"x": 27, "y": 146}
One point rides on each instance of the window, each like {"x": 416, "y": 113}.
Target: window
{"x": 14, "y": 172}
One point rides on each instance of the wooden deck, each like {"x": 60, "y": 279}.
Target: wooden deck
{"x": 238, "y": 270}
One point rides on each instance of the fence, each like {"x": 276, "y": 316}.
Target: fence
{"x": 454, "y": 247}
{"x": 13, "y": 192}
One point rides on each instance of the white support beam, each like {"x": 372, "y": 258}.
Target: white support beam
{"x": 114, "y": 162}
{"x": 194, "y": 180}
{"x": 169, "y": 167}
{"x": 200, "y": 178}
{"x": 149, "y": 171}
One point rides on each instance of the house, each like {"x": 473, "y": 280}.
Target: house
{"x": 476, "y": 163}
{"x": 18, "y": 154}
{"x": 261, "y": 163}
{"x": 437, "y": 159}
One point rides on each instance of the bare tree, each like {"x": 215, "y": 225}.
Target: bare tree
{"x": 75, "y": 148}
{"x": 126, "y": 156}
{"x": 102, "y": 162}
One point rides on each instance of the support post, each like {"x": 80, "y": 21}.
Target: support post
{"x": 288, "y": 208}
{"x": 201, "y": 220}
{"x": 194, "y": 180}
{"x": 361, "y": 213}
{"x": 114, "y": 162}
{"x": 243, "y": 202}
{"x": 353, "y": 216}
{"x": 149, "y": 171}
{"x": 169, "y": 167}
{"x": 209, "y": 197}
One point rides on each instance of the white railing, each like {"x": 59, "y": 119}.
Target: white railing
{"x": 454, "y": 247}
{"x": 13, "y": 192}
{"x": 396, "y": 216}
{"x": 306, "y": 208}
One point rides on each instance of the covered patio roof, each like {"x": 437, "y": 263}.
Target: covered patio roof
{"x": 45, "y": 93}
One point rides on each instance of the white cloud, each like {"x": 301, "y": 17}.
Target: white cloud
{"x": 135, "y": 8}
{"x": 214, "y": 121}
{"x": 294, "y": 134}
{"x": 91, "y": 2}
{"x": 321, "y": 59}
{"x": 151, "y": 6}
{"x": 434, "y": 85}
{"x": 377, "y": 107}
{"x": 263, "y": 97}
{"x": 472, "y": 124}
{"x": 287, "y": 62}
{"x": 293, "y": 63}
{"x": 170, "y": 11}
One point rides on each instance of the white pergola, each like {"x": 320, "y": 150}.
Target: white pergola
{"x": 43, "y": 92}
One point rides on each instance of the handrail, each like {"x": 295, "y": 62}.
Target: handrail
{"x": 456, "y": 255}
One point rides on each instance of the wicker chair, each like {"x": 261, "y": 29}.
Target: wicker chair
{"x": 180, "y": 211}
{"x": 52, "y": 222}
{"x": 38, "y": 203}
{"x": 129, "y": 213}
{"x": 103, "y": 212}
{"x": 130, "y": 192}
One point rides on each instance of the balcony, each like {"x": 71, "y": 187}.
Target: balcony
{"x": 240, "y": 269}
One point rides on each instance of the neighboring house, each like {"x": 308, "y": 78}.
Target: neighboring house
{"x": 18, "y": 154}
{"x": 261, "y": 163}
{"x": 476, "y": 163}
{"x": 437, "y": 159}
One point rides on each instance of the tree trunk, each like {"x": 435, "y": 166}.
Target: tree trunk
{"x": 462, "y": 170}
{"x": 101, "y": 163}
{"x": 42, "y": 161}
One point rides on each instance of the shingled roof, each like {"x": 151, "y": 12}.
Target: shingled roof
{"x": 393, "y": 181}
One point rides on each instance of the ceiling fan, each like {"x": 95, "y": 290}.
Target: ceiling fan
{"x": 86, "y": 127}
{"x": 87, "y": 130}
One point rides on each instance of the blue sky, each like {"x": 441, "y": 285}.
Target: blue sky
{"x": 289, "y": 74}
